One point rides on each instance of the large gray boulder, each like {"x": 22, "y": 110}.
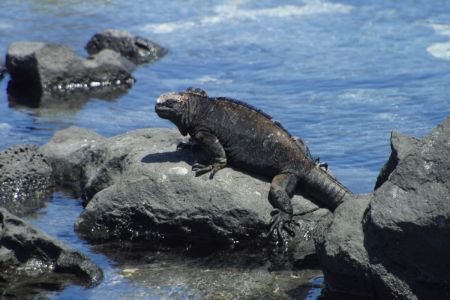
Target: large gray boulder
{"x": 26, "y": 179}
{"x": 138, "y": 186}
{"x": 394, "y": 243}
{"x": 137, "y": 49}
{"x": 30, "y": 260}
{"x": 57, "y": 68}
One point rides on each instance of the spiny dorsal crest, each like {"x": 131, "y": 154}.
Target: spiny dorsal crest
{"x": 196, "y": 92}
{"x": 251, "y": 107}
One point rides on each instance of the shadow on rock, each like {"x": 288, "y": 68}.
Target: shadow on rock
{"x": 179, "y": 155}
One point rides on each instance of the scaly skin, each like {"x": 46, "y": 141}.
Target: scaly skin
{"x": 234, "y": 133}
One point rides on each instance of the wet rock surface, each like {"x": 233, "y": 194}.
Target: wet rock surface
{"x": 174, "y": 274}
{"x": 135, "y": 48}
{"x": 139, "y": 187}
{"x": 69, "y": 102}
{"x": 393, "y": 243}
{"x": 26, "y": 179}
{"x": 32, "y": 262}
{"x": 55, "y": 68}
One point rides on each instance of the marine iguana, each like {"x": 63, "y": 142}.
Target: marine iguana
{"x": 235, "y": 133}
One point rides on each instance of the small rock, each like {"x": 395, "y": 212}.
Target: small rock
{"x": 137, "y": 49}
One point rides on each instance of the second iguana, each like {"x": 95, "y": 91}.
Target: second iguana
{"x": 237, "y": 134}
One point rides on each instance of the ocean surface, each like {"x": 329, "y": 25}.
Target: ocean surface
{"x": 340, "y": 74}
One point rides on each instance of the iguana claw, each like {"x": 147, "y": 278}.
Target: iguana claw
{"x": 201, "y": 169}
{"x": 281, "y": 221}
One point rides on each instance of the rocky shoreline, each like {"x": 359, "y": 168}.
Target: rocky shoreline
{"x": 138, "y": 188}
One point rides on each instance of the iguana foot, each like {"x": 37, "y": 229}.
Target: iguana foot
{"x": 280, "y": 222}
{"x": 201, "y": 169}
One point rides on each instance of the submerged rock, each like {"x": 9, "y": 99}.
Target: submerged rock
{"x": 137, "y": 49}
{"x": 139, "y": 187}
{"x": 174, "y": 274}
{"x": 26, "y": 179}
{"x": 56, "y": 68}
{"x": 31, "y": 261}
{"x": 394, "y": 243}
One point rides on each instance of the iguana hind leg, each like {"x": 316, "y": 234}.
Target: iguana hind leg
{"x": 281, "y": 190}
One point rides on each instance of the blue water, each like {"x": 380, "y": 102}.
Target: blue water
{"x": 339, "y": 74}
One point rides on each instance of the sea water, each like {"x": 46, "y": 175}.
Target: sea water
{"x": 339, "y": 74}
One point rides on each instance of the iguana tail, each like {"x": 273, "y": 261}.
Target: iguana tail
{"x": 323, "y": 187}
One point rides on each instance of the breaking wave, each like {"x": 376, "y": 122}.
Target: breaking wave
{"x": 233, "y": 11}
{"x": 440, "y": 50}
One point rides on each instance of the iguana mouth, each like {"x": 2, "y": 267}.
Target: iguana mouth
{"x": 163, "y": 111}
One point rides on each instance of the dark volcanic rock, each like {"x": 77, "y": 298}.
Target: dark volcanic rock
{"x": 401, "y": 145}
{"x": 31, "y": 261}
{"x": 26, "y": 179}
{"x": 394, "y": 243}
{"x": 56, "y": 68}
{"x": 137, "y": 49}
{"x": 140, "y": 187}
{"x": 73, "y": 154}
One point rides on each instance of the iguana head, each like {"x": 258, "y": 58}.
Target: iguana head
{"x": 175, "y": 106}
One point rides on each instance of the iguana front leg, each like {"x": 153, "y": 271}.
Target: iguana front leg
{"x": 210, "y": 143}
{"x": 281, "y": 190}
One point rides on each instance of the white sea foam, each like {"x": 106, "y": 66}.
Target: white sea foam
{"x": 5, "y": 127}
{"x": 211, "y": 79}
{"x": 440, "y": 50}
{"x": 233, "y": 11}
{"x": 442, "y": 29}
{"x": 4, "y": 26}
